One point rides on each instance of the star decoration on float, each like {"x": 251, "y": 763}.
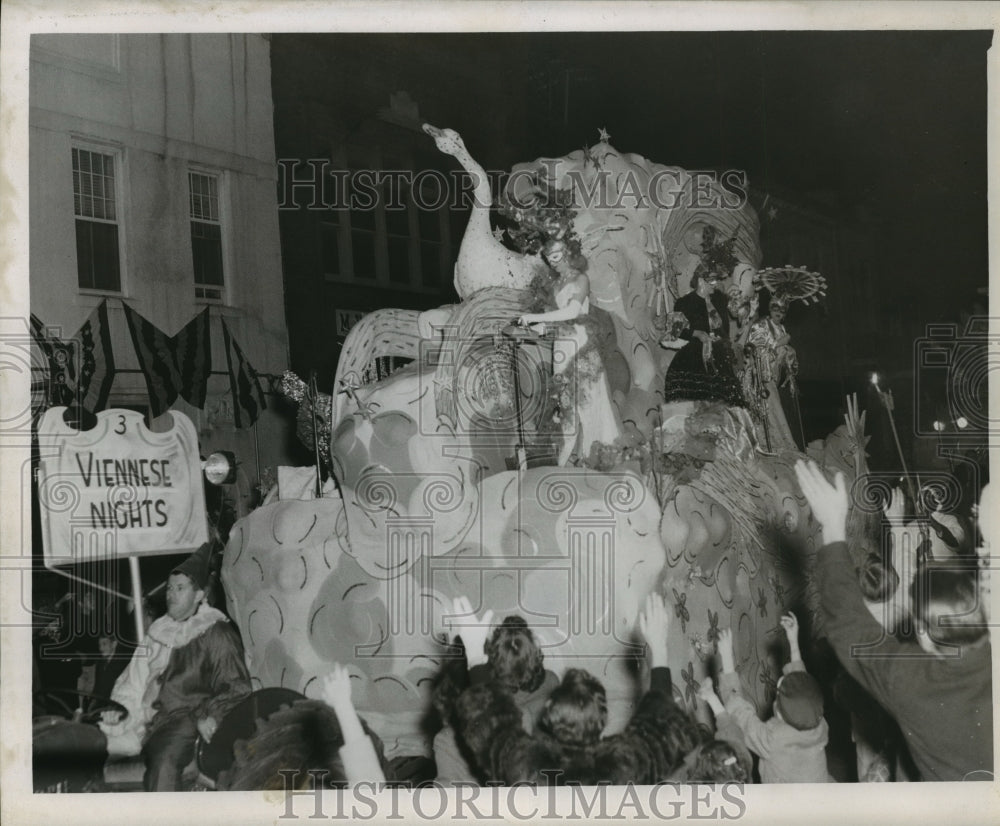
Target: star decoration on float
{"x": 772, "y": 212}
{"x": 603, "y": 135}
{"x": 499, "y": 233}
{"x": 350, "y": 386}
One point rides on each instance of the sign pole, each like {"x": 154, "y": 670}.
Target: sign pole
{"x": 133, "y": 569}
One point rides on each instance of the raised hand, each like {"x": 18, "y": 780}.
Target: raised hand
{"x": 726, "y": 650}
{"x": 207, "y": 726}
{"x": 706, "y": 691}
{"x": 336, "y": 693}
{"x": 473, "y": 630}
{"x": 895, "y": 508}
{"x": 791, "y": 625}
{"x": 336, "y": 687}
{"x": 654, "y": 624}
{"x": 111, "y": 716}
{"x": 829, "y": 503}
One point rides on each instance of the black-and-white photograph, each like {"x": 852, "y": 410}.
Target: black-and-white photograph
{"x": 510, "y": 411}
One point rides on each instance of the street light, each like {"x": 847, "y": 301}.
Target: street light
{"x": 887, "y": 402}
{"x": 220, "y": 468}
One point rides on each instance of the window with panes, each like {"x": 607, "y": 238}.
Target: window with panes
{"x": 95, "y": 207}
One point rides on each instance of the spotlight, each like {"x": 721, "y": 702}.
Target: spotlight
{"x": 961, "y": 422}
{"x": 938, "y": 425}
{"x": 220, "y": 468}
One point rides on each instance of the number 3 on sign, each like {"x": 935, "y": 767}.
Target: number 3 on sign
{"x": 120, "y": 429}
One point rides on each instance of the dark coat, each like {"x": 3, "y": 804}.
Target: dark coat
{"x": 689, "y": 357}
{"x": 944, "y": 705}
{"x": 649, "y": 749}
{"x": 204, "y": 678}
{"x": 687, "y": 376}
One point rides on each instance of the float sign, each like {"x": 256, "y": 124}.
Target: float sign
{"x": 119, "y": 489}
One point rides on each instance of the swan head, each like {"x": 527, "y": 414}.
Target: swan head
{"x": 446, "y": 140}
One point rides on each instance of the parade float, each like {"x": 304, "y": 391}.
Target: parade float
{"x": 535, "y": 467}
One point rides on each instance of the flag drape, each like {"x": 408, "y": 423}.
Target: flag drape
{"x": 78, "y": 371}
{"x": 244, "y": 383}
{"x": 172, "y": 365}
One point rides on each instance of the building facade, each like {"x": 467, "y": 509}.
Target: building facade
{"x": 152, "y": 175}
{"x": 371, "y": 213}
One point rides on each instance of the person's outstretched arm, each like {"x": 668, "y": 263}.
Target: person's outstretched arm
{"x": 756, "y": 732}
{"x": 661, "y": 732}
{"x": 725, "y": 726}
{"x": 654, "y": 625}
{"x": 358, "y": 752}
{"x": 852, "y": 630}
{"x": 485, "y": 716}
{"x": 790, "y": 623}
{"x": 474, "y": 632}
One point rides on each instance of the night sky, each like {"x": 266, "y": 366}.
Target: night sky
{"x": 886, "y": 128}
{"x": 884, "y": 132}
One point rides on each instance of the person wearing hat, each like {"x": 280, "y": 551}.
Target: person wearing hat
{"x": 792, "y": 744}
{"x": 186, "y": 675}
{"x": 773, "y": 363}
{"x": 705, "y": 367}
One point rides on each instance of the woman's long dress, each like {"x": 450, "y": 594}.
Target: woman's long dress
{"x": 588, "y": 414}
{"x": 769, "y": 360}
{"x": 688, "y": 376}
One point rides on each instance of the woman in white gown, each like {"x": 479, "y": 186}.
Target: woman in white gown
{"x": 587, "y": 413}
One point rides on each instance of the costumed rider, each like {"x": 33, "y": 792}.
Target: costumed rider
{"x": 588, "y": 416}
{"x": 186, "y": 675}
{"x": 773, "y": 364}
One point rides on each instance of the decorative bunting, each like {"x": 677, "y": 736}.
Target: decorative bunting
{"x": 80, "y": 370}
{"x": 244, "y": 383}
{"x": 97, "y": 362}
{"x": 173, "y": 365}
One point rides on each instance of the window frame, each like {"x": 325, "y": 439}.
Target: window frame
{"x": 117, "y": 153}
{"x": 352, "y": 159}
{"x": 222, "y": 195}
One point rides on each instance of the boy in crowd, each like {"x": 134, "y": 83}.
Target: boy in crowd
{"x": 937, "y": 688}
{"x": 792, "y": 744}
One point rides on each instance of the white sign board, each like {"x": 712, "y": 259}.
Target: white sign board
{"x": 119, "y": 489}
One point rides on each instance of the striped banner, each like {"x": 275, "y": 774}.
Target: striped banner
{"x": 97, "y": 362}
{"x": 244, "y": 383}
{"x": 80, "y": 370}
{"x": 172, "y": 365}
